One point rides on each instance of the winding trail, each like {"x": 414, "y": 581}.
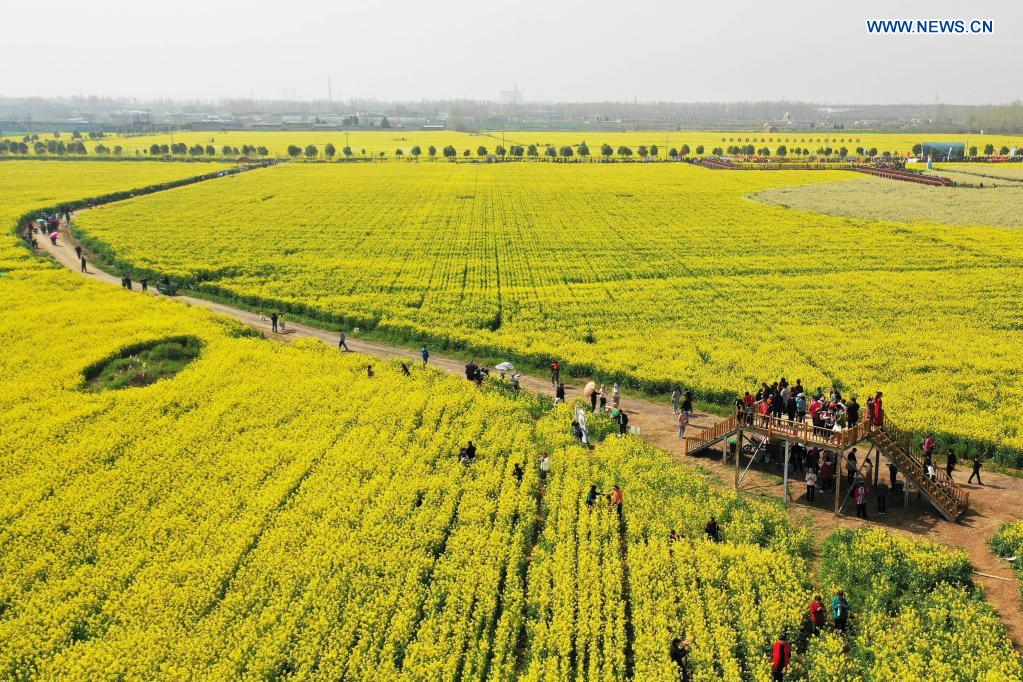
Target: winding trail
{"x": 992, "y": 505}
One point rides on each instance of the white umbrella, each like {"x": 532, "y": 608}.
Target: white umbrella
{"x": 590, "y": 388}
{"x": 504, "y": 367}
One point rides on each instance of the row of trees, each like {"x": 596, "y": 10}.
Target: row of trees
{"x": 514, "y": 151}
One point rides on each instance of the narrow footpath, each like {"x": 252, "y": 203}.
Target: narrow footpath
{"x": 991, "y": 505}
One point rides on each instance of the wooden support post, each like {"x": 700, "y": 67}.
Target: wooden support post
{"x": 837, "y": 476}
{"x": 877, "y": 464}
{"x": 738, "y": 449}
{"x": 785, "y": 492}
{"x": 905, "y": 491}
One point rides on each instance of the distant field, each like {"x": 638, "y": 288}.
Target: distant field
{"x": 893, "y": 142}
{"x": 994, "y": 174}
{"x": 35, "y": 184}
{"x": 372, "y": 143}
{"x": 871, "y": 198}
{"x": 653, "y": 274}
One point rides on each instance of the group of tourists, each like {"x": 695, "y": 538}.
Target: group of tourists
{"x": 476, "y": 373}
{"x": 830, "y": 413}
{"x": 126, "y": 282}
{"x": 781, "y": 648}
{"x": 277, "y": 325}
{"x": 615, "y": 498}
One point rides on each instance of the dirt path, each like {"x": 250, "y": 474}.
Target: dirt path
{"x": 997, "y": 502}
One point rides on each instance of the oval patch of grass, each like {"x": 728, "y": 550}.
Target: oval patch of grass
{"x": 142, "y": 364}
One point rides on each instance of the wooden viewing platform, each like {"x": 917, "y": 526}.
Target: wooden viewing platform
{"x": 897, "y": 445}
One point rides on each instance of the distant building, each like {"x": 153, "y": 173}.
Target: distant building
{"x": 511, "y": 97}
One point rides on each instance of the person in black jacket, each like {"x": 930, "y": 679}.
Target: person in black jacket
{"x": 678, "y": 652}
{"x": 712, "y": 530}
{"x": 852, "y": 412}
{"x": 623, "y": 423}
{"x": 559, "y": 394}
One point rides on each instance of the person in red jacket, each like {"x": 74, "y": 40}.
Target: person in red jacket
{"x": 818, "y": 615}
{"x": 780, "y": 655}
{"x": 878, "y": 409}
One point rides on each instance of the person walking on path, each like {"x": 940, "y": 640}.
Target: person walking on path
{"x": 603, "y": 398}
{"x": 687, "y": 403}
{"x": 818, "y": 616}
{"x": 950, "y": 463}
{"x": 545, "y": 466}
{"x": 593, "y": 399}
{"x": 78, "y": 250}
{"x": 84, "y": 268}
{"x": 616, "y": 394}
{"x": 341, "y": 338}
{"x": 559, "y": 394}
{"x": 623, "y": 423}
{"x": 840, "y": 611}
{"x": 976, "y": 470}
{"x": 676, "y": 396}
{"x": 425, "y": 354}
{"x": 683, "y": 422}
{"x": 555, "y": 373}
{"x": 273, "y": 322}
{"x": 781, "y": 655}
{"x": 811, "y": 484}
{"x": 145, "y": 284}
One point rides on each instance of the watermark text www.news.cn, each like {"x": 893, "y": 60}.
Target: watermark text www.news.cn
{"x": 927, "y": 26}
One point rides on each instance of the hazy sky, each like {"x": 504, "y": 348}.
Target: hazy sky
{"x": 556, "y": 50}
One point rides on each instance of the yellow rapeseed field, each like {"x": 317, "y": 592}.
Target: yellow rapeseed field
{"x": 272, "y": 511}
{"x": 657, "y": 275}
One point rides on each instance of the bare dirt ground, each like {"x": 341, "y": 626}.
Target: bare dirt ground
{"x": 991, "y": 505}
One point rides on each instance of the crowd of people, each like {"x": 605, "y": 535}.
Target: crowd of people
{"x": 829, "y": 413}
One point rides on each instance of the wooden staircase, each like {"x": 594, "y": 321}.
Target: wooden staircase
{"x": 900, "y": 449}
{"x": 894, "y": 443}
